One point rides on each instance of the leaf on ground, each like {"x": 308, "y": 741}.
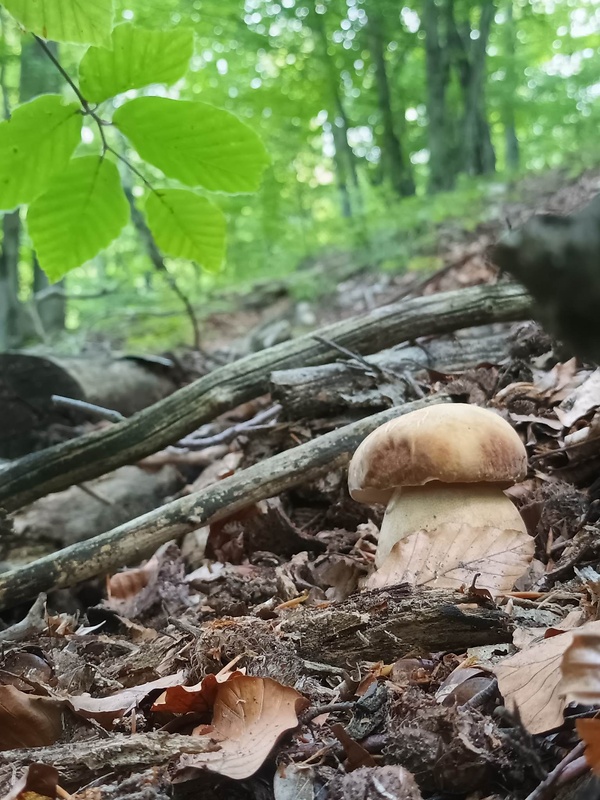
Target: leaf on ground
{"x": 77, "y": 21}
{"x": 250, "y": 716}
{"x": 589, "y": 732}
{"x": 39, "y": 781}
{"x": 198, "y": 698}
{"x": 106, "y": 709}
{"x": 581, "y": 668}
{"x": 186, "y": 225}
{"x": 136, "y": 57}
{"x": 452, "y": 555}
{"x": 28, "y": 720}
{"x": 585, "y": 398}
{"x": 195, "y": 143}
{"x": 530, "y": 681}
{"x": 35, "y": 144}
{"x": 81, "y": 213}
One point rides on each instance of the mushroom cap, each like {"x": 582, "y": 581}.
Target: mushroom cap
{"x": 447, "y": 442}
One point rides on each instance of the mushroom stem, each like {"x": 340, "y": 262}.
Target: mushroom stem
{"x": 416, "y": 508}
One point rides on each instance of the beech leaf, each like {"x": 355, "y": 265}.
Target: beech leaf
{"x": 28, "y": 720}
{"x": 250, "y": 715}
{"x": 452, "y": 555}
{"x": 531, "y": 681}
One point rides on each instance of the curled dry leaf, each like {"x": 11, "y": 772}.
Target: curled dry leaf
{"x": 105, "y": 710}
{"x": 451, "y": 556}
{"x": 531, "y": 681}
{"x": 39, "y": 781}
{"x": 250, "y": 715}
{"x": 198, "y": 698}
{"x": 589, "y": 732}
{"x": 28, "y": 720}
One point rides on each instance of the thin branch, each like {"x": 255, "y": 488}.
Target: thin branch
{"x": 88, "y": 408}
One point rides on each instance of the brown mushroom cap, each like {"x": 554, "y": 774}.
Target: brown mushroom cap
{"x": 449, "y": 442}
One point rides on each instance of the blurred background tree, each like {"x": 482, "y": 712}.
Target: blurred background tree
{"x": 381, "y": 120}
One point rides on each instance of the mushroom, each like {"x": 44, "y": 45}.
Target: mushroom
{"x": 445, "y": 463}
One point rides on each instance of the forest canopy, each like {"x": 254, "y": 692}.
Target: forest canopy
{"x": 352, "y": 124}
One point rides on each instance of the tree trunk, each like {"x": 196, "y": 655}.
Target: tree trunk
{"x": 442, "y": 167}
{"x": 11, "y": 313}
{"x": 511, "y": 142}
{"x": 400, "y": 173}
{"x": 468, "y": 57}
{"x": 344, "y": 159}
{"x": 51, "y": 307}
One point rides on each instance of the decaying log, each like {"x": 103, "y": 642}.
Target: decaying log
{"x": 139, "y": 538}
{"x": 79, "y": 762}
{"x": 27, "y": 383}
{"x": 332, "y": 388}
{"x": 386, "y": 624}
{"x": 99, "y": 505}
{"x": 377, "y": 625}
{"x": 168, "y": 420}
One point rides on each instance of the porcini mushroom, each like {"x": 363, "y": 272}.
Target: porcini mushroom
{"x": 444, "y": 463}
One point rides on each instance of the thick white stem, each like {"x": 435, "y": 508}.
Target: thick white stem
{"x": 415, "y": 508}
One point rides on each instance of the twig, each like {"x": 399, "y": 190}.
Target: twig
{"x": 372, "y": 368}
{"x": 544, "y": 789}
{"x": 193, "y": 442}
{"x": 89, "y": 408}
{"x": 139, "y": 538}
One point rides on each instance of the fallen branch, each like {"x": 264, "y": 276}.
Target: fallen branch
{"x": 381, "y": 380}
{"x": 182, "y": 412}
{"x": 386, "y": 624}
{"x": 378, "y": 625}
{"x": 139, "y": 538}
{"x": 81, "y": 761}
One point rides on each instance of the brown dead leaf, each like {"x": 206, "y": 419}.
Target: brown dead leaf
{"x": 198, "y": 698}
{"x": 451, "y": 556}
{"x": 531, "y": 681}
{"x": 28, "y": 720}
{"x": 250, "y": 715}
{"x": 589, "y": 732}
{"x": 356, "y": 754}
{"x": 39, "y": 781}
{"x": 581, "y": 667}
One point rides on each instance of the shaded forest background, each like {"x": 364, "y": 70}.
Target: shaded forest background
{"x": 382, "y": 121}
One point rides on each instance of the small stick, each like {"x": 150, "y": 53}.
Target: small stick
{"x": 88, "y": 408}
{"x": 551, "y": 780}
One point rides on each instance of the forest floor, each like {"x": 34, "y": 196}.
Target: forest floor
{"x": 257, "y": 657}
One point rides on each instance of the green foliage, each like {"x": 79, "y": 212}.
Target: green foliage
{"x": 80, "y": 214}
{"x": 36, "y": 144}
{"x": 78, "y": 206}
{"x": 195, "y": 143}
{"x": 136, "y": 57}
{"x": 185, "y": 225}
{"x": 80, "y": 21}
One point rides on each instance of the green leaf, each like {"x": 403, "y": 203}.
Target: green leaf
{"x": 186, "y": 225}
{"x": 80, "y": 21}
{"x": 136, "y": 57}
{"x": 80, "y": 214}
{"x": 196, "y": 143}
{"x": 36, "y": 143}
